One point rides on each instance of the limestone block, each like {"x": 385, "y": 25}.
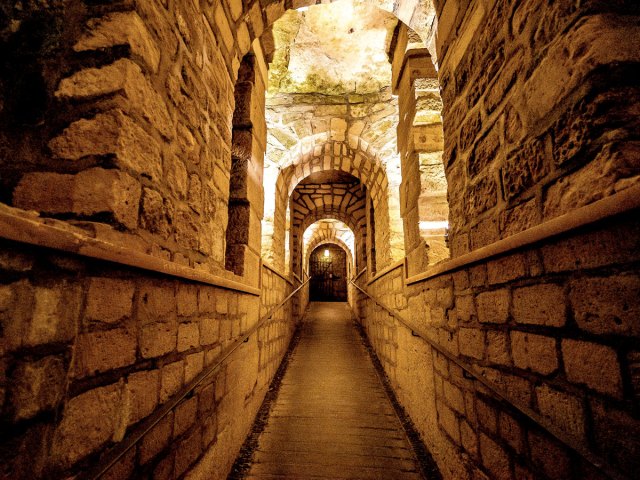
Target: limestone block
{"x": 121, "y": 28}
{"x": 524, "y": 168}
{"x": 88, "y": 422}
{"x": 156, "y": 213}
{"x": 594, "y": 365}
{"x": 109, "y": 300}
{"x": 193, "y": 366}
{"x": 471, "y": 342}
{"x": 113, "y": 133}
{"x": 185, "y": 416}
{"x": 534, "y": 352}
{"x": 542, "y": 304}
{"x": 142, "y": 390}
{"x": 511, "y": 431}
{"x": 493, "y": 307}
{"x": 487, "y": 415}
{"x": 613, "y": 170}
{"x": 188, "y": 452}
{"x": 156, "y": 302}
{"x": 36, "y": 386}
{"x": 548, "y": 455}
{"x": 158, "y": 339}
{"x": 171, "y": 379}
{"x": 55, "y": 315}
{"x": 188, "y": 336}
{"x": 187, "y": 300}
{"x": 495, "y": 458}
{"x": 157, "y": 439}
{"x": 449, "y": 422}
{"x": 45, "y": 192}
{"x": 505, "y": 269}
{"x": 98, "y": 190}
{"x": 563, "y": 409}
{"x": 595, "y": 41}
{"x": 126, "y": 78}
{"x": 428, "y": 138}
{"x": 102, "y": 351}
{"x": 498, "y": 348}
{"x": 606, "y": 305}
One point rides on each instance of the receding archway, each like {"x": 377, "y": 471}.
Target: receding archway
{"x": 328, "y": 273}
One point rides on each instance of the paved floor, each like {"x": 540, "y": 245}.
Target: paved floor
{"x": 331, "y": 417}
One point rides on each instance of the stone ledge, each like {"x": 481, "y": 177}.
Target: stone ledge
{"x": 615, "y": 204}
{"x": 27, "y": 227}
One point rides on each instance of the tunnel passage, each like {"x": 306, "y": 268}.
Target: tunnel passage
{"x": 151, "y": 220}
{"x": 330, "y": 415}
{"x": 328, "y": 272}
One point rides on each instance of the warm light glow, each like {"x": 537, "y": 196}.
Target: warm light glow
{"x": 326, "y": 252}
{"x": 433, "y": 225}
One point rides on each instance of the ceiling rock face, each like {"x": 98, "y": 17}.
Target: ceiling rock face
{"x": 330, "y": 108}
{"x": 332, "y": 49}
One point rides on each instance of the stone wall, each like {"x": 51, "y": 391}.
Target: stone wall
{"x": 91, "y": 349}
{"x": 311, "y": 202}
{"x": 560, "y": 344}
{"x": 538, "y": 111}
{"x": 535, "y": 127}
{"x": 351, "y": 133}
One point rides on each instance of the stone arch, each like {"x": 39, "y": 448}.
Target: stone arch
{"x": 251, "y": 22}
{"x": 329, "y": 232}
{"x": 356, "y": 224}
{"x": 335, "y": 155}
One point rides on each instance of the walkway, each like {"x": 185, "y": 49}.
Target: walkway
{"x": 331, "y": 417}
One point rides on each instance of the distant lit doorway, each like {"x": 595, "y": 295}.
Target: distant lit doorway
{"x": 328, "y": 271}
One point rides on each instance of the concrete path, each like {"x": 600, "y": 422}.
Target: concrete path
{"x": 331, "y": 417}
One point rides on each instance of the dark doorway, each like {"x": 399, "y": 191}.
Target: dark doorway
{"x": 328, "y": 271}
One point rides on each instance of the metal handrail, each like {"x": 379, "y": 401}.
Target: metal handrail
{"x": 570, "y": 442}
{"x": 118, "y": 451}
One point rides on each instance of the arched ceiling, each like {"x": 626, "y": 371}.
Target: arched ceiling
{"x": 332, "y": 49}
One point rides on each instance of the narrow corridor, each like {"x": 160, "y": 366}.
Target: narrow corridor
{"x": 331, "y": 417}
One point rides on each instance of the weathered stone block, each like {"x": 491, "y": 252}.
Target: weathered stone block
{"x": 187, "y": 300}
{"x": 172, "y": 378}
{"x": 157, "y": 439}
{"x": 142, "y": 390}
{"x": 543, "y": 304}
{"x": 594, "y": 365}
{"x": 606, "y": 305}
{"x": 45, "y": 192}
{"x": 121, "y": 77}
{"x": 471, "y": 342}
{"x": 88, "y": 422}
{"x": 185, "y": 416}
{"x": 498, "y": 348}
{"x": 193, "y": 365}
{"x": 36, "y": 386}
{"x": 107, "y": 191}
{"x": 156, "y": 301}
{"x": 157, "y": 339}
{"x": 188, "y": 451}
{"x": 188, "y": 336}
{"x": 564, "y": 410}
{"x": 209, "y": 331}
{"x": 102, "y": 351}
{"x": 505, "y": 269}
{"x": 511, "y": 431}
{"x": 121, "y": 28}
{"x": 493, "y": 307}
{"x": 549, "y": 455}
{"x": 495, "y": 458}
{"x": 109, "y": 300}
{"x": 534, "y": 352}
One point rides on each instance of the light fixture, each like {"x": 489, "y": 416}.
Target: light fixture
{"x": 326, "y": 252}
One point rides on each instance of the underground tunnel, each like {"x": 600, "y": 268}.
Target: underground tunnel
{"x": 303, "y": 239}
